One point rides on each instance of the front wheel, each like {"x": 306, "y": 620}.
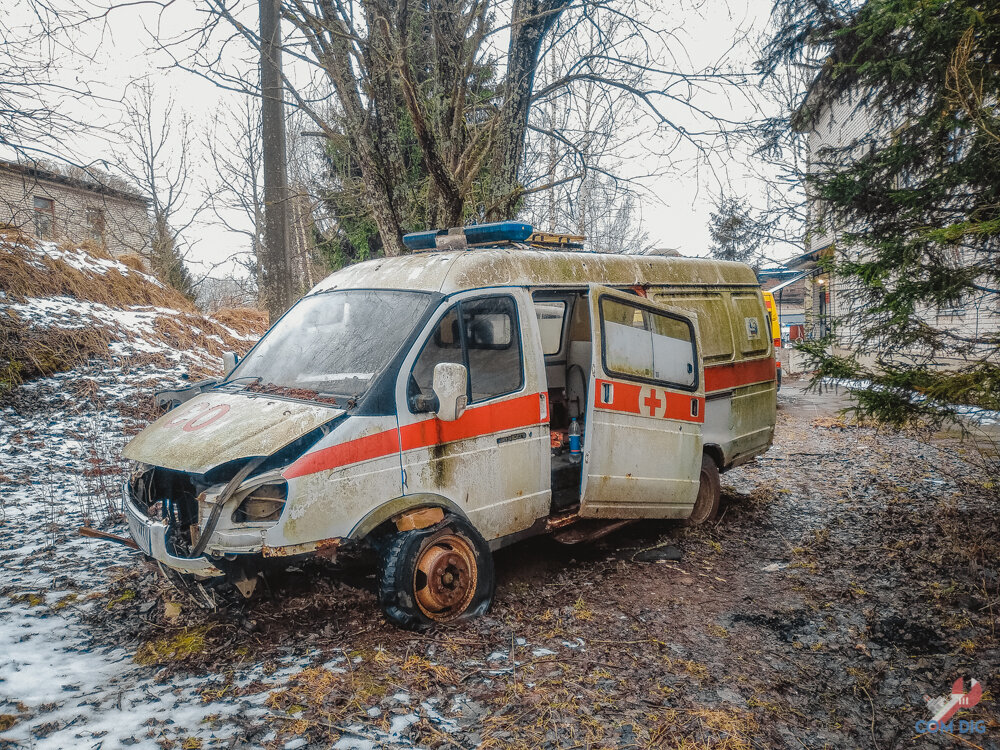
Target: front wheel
{"x": 442, "y": 573}
{"x": 706, "y": 507}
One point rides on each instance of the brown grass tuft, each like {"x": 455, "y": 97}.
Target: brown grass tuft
{"x": 28, "y": 352}
{"x": 24, "y": 274}
{"x": 247, "y": 321}
{"x": 133, "y": 261}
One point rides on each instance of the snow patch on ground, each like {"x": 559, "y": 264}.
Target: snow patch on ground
{"x": 985, "y": 417}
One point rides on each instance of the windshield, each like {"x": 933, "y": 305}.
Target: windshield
{"x": 331, "y": 343}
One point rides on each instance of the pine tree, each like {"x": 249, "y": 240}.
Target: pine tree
{"x": 736, "y": 235}
{"x": 916, "y": 200}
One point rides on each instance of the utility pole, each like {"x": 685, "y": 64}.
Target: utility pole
{"x": 276, "y": 285}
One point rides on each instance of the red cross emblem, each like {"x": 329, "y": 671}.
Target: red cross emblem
{"x": 652, "y": 402}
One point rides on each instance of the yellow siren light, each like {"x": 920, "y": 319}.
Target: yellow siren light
{"x": 549, "y": 239}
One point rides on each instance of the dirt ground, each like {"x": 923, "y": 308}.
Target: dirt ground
{"x": 851, "y": 575}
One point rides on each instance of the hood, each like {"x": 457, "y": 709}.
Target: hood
{"x": 217, "y": 427}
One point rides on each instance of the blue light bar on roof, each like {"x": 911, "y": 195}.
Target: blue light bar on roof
{"x": 479, "y": 234}
{"x": 501, "y": 231}
{"x": 420, "y": 240}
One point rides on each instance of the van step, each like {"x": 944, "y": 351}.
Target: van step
{"x": 589, "y": 531}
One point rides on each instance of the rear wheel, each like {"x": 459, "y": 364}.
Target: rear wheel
{"x": 443, "y": 573}
{"x": 706, "y": 507}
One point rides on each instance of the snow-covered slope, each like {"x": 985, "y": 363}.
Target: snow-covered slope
{"x": 63, "y": 305}
{"x": 84, "y": 342}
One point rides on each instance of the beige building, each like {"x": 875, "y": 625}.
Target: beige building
{"x": 835, "y": 133}
{"x": 53, "y": 206}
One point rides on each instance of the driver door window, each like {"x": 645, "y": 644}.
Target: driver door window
{"x": 487, "y": 342}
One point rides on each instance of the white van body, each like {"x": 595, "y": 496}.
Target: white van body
{"x": 664, "y": 361}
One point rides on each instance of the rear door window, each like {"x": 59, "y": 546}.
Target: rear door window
{"x": 752, "y": 324}
{"x": 644, "y": 344}
{"x": 713, "y": 323}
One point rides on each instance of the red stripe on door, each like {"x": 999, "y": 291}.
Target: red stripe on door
{"x": 523, "y": 411}
{"x": 648, "y": 401}
{"x": 725, "y": 377}
{"x": 351, "y": 452}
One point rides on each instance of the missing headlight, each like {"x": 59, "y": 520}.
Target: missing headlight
{"x": 262, "y": 503}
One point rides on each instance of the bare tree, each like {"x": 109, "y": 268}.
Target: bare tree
{"x": 450, "y": 87}
{"x": 155, "y": 155}
{"x": 34, "y": 103}
{"x": 236, "y": 196}
{"x": 610, "y": 88}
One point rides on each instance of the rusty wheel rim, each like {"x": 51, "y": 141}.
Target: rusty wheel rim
{"x": 446, "y": 577}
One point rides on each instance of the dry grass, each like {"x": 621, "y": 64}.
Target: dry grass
{"x": 28, "y": 350}
{"x": 25, "y": 274}
{"x": 246, "y": 321}
{"x": 133, "y": 261}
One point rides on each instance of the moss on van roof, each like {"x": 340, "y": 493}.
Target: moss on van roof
{"x": 474, "y": 269}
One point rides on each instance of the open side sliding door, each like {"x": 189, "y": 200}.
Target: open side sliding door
{"x": 645, "y": 409}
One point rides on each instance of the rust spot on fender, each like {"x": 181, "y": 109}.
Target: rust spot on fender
{"x": 420, "y": 518}
{"x": 326, "y": 548}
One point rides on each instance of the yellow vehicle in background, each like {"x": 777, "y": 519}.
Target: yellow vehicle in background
{"x": 772, "y": 312}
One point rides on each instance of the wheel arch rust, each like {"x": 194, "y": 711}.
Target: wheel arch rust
{"x": 398, "y": 505}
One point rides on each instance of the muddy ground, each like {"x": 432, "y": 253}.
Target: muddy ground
{"x": 851, "y": 575}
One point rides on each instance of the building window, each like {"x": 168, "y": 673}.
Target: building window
{"x": 95, "y": 224}
{"x": 45, "y": 210}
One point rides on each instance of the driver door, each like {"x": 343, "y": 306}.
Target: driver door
{"x": 645, "y": 409}
{"x": 492, "y": 463}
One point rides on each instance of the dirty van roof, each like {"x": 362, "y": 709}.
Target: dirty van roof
{"x": 455, "y": 271}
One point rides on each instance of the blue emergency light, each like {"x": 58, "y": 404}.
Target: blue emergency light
{"x": 479, "y": 234}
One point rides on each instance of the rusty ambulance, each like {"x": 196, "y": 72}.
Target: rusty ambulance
{"x": 424, "y": 407}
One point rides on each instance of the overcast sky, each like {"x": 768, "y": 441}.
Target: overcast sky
{"x": 675, "y": 210}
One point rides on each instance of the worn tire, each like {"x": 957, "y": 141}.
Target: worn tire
{"x": 452, "y": 548}
{"x": 706, "y": 507}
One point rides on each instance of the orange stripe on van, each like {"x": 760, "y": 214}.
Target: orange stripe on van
{"x": 726, "y": 377}
{"x": 628, "y": 398}
{"x": 351, "y": 452}
{"x": 523, "y": 411}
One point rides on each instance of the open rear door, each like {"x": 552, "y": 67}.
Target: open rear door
{"x": 645, "y": 409}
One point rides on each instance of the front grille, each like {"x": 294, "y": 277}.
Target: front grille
{"x": 138, "y": 527}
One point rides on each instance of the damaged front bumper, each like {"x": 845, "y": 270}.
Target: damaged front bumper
{"x": 151, "y": 536}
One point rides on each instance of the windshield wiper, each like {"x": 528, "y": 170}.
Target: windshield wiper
{"x": 254, "y": 378}
{"x": 302, "y": 394}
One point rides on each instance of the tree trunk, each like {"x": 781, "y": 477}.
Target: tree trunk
{"x": 531, "y": 20}
{"x": 276, "y": 274}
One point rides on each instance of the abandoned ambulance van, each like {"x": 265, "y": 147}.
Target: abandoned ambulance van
{"x": 439, "y": 405}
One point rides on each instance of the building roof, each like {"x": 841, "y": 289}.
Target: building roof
{"x": 93, "y": 185}
{"x": 808, "y": 259}
{"x": 778, "y": 272}
{"x": 454, "y": 271}
{"x": 804, "y": 115}
{"x": 788, "y": 282}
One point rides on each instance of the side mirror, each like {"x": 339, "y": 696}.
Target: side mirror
{"x": 229, "y": 361}
{"x": 450, "y": 384}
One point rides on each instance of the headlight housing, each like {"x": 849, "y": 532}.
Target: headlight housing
{"x": 261, "y": 503}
